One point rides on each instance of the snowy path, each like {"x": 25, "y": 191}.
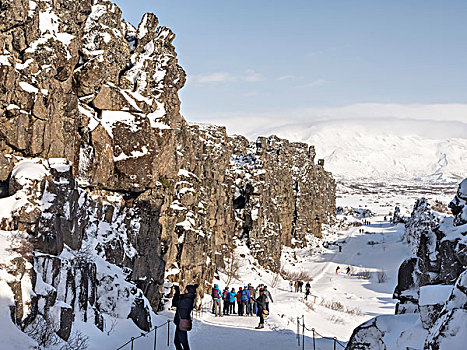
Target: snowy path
{"x": 343, "y": 302}
{"x": 361, "y": 299}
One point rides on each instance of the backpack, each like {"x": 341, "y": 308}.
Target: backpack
{"x": 244, "y": 296}
{"x": 215, "y": 294}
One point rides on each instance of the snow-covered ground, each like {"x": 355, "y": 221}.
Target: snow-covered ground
{"x": 338, "y": 304}
{"x": 366, "y": 148}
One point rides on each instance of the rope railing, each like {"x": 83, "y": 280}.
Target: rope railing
{"x": 132, "y": 340}
{"x": 301, "y": 326}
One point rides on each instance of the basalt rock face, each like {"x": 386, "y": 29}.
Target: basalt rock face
{"x": 109, "y": 191}
{"x": 431, "y": 289}
{"x": 281, "y": 195}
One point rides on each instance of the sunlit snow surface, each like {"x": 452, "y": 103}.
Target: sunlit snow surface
{"x": 362, "y": 298}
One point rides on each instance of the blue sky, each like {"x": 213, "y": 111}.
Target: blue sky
{"x": 292, "y": 59}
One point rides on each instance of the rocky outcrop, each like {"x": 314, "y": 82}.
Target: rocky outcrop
{"x": 431, "y": 285}
{"x": 99, "y": 168}
{"x": 450, "y": 322}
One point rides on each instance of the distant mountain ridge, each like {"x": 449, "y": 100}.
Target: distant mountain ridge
{"x": 386, "y": 150}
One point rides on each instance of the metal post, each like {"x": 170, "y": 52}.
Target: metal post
{"x": 168, "y": 333}
{"x": 314, "y": 343}
{"x": 298, "y": 331}
{"x": 132, "y": 339}
{"x": 155, "y": 338}
{"x": 303, "y": 332}
{"x": 335, "y": 339}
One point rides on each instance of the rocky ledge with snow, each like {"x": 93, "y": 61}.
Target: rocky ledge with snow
{"x": 432, "y": 285}
{"x": 106, "y": 191}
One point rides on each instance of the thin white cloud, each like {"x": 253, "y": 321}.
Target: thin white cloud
{"x": 216, "y": 78}
{"x": 286, "y": 77}
{"x": 314, "y": 53}
{"x": 212, "y": 78}
{"x": 252, "y": 76}
{"x": 314, "y": 84}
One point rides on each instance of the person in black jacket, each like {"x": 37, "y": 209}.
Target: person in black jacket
{"x": 261, "y": 306}
{"x": 184, "y": 304}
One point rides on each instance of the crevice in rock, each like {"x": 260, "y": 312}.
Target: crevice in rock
{"x": 123, "y": 71}
{"x": 293, "y": 232}
{"x": 5, "y": 188}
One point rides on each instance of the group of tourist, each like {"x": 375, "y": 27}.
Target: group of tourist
{"x": 298, "y": 287}
{"x": 245, "y": 299}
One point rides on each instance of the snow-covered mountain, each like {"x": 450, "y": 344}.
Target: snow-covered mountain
{"x": 388, "y": 150}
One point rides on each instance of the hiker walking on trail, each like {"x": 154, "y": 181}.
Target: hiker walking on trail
{"x": 252, "y": 291}
{"x": 296, "y": 286}
{"x": 216, "y": 299}
{"x": 300, "y": 286}
{"x": 337, "y": 270}
{"x": 307, "y": 290}
{"x": 184, "y": 304}
{"x": 268, "y": 297}
{"x": 348, "y": 270}
{"x": 291, "y": 285}
{"x": 226, "y": 297}
{"x": 233, "y": 299}
{"x": 262, "y": 310}
{"x": 307, "y": 293}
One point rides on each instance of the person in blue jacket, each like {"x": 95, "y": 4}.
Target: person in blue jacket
{"x": 233, "y": 299}
{"x": 245, "y": 298}
{"x": 217, "y": 300}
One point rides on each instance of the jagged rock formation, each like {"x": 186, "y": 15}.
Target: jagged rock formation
{"x": 98, "y": 169}
{"x": 432, "y": 285}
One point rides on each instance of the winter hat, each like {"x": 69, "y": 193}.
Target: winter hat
{"x": 191, "y": 288}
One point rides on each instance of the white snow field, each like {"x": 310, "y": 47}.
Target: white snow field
{"x": 375, "y": 149}
{"x": 354, "y": 299}
{"x": 338, "y": 304}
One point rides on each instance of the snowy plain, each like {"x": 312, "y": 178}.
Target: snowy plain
{"x": 378, "y": 248}
{"x": 339, "y": 302}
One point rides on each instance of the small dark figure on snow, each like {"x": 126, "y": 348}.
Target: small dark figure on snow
{"x": 348, "y": 270}
{"x": 307, "y": 290}
{"x": 184, "y": 304}
{"x": 337, "y": 269}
